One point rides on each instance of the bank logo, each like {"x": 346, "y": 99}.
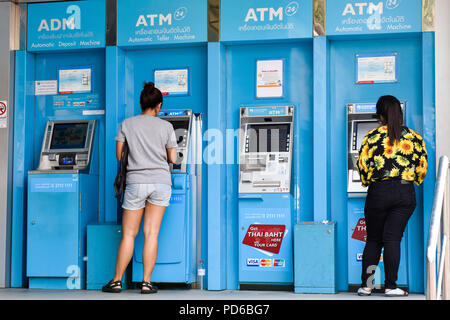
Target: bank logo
{"x": 180, "y": 13}
{"x": 392, "y": 4}
{"x": 72, "y": 22}
{"x": 292, "y": 8}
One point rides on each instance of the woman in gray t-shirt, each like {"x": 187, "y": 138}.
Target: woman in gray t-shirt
{"x": 152, "y": 144}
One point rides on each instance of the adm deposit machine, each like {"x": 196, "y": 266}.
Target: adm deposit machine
{"x": 62, "y": 200}
{"x": 179, "y": 241}
{"x": 361, "y": 118}
{"x": 265, "y": 199}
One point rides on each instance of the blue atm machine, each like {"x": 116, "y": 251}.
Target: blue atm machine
{"x": 62, "y": 200}
{"x": 179, "y": 242}
{"x": 265, "y": 199}
{"x": 361, "y": 118}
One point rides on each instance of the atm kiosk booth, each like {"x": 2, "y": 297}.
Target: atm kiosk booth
{"x": 361, "y": 118}
{"x": 179, "y": 241}
{"x": 62, "y": 200}
{"x": 265, "y": 199}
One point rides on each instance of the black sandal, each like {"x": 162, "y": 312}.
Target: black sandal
{"x": 110, "y": 287}
{"x": 151, "y": 288}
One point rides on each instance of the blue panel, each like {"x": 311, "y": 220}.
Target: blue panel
{"x": 321, "y": 133}
{"x": 315, "y": 257}
{"x": 351, "y": 17}
{"x": 115, "y": 113}
{"x": 218, "y": 250}
{"x": 52, "y": 227}
{"x": 102, "y": 244}
{"x": 140, "y": 68}
{"x": 356, "y": 248}
{"x": 56, "y": 229}
{"x": 171, "y": 261}
{"x": 72, "y": 106}
{"x": 343, "y": 90}
{"x": 268, "y": 257}
{"x": 265, "y": 19}
{"x": 429, "y": 135}
{"x": 22, "y": 160}
{"x": 143, "y": 22}
{"x": 173, "y": 264}
{"x": 68, "y": 25}
{"x": 241, "y": 80}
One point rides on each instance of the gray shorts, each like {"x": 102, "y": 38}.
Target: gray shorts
{"x": 137, "y": 194}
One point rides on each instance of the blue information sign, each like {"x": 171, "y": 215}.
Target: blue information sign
{"x": 265, "y": 19}
{"x": 66, "y": 25}
{"x": 150, "y": 22}
{"x": 370, "y": 17}
{"x": 267, "y": 111}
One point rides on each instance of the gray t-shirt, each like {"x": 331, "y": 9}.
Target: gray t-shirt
{"x": 148, "y": 138}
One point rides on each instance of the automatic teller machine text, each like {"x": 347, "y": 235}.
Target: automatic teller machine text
{"x": 265, "y": 199}
{"x": 180, "y": 232}
{"x": 62, "y": 200}
{"x": 362, "y": 118}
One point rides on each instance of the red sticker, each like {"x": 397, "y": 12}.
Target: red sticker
{"x": 265, "y": 237}
{"x": 360, "y": 230}
{"x": 2, "y": 108}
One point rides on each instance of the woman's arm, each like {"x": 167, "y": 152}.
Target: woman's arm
{"x": 119, "y": 146}
{"x": 172, "y": 155}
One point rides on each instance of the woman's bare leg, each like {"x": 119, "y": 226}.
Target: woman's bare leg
{"x": 130, "y": 227}
{"x": 152, "y": 223}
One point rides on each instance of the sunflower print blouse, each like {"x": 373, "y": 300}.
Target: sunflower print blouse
{"x": 405, "y": 160}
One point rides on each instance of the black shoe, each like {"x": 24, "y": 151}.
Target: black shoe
{"x": 151, "y": 288}
{"x": 111, "y": 287}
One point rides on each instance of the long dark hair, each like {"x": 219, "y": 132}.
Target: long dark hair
{"x": 390, "y": 108}
{"x": 150, "y": 96}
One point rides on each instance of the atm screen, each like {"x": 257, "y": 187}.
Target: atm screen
{"x": 180, "y": 124}
{"x": 69, "y": 136}
{"x": 181, "y": 128}
{"x": 268, "y": 137}
{"x": 362, "y": 128}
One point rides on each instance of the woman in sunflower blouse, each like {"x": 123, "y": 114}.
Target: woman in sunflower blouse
{"x": 392, "y": 158}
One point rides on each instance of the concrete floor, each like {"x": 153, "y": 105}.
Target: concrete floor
{"x": 184, "y": 294}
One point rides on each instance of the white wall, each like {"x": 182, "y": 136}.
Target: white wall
{"x": 442, "y": 78}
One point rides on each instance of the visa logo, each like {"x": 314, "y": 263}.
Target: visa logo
{"x": 252, "y": 262}
{"x": 72, "y": 22}
{"x": 361, "y": 8}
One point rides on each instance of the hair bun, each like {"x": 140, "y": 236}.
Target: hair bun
{"x": 149, "y": 86}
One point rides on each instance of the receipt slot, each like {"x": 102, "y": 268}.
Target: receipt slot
{"x": 179, "y": 241}
{"x": 265, "y": 199}
{"x": 62, "y": 200}
{"x": 362, "y": 118}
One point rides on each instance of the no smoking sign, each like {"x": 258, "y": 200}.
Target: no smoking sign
{"x": 3, "y": 114}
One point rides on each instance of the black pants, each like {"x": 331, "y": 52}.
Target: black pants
{"x": 389, "y": 205}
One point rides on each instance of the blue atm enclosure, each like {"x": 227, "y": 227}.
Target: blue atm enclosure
{"x": 361, "y": 118}
{"x": 62, "y": 200}
{"x": 265, "y": 201}
{"x": 178, "y": 241}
